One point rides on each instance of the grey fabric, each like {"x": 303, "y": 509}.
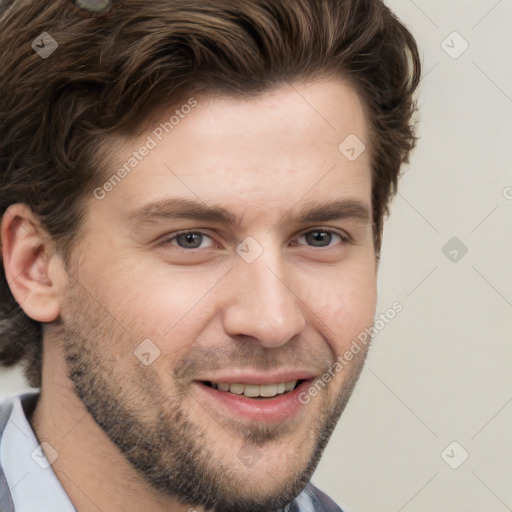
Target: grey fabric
{"x": 322, "y": 502}
{"x": 312, "y": 499}
{"x": 292, "y": 507}
{"x": 6, "y": 503}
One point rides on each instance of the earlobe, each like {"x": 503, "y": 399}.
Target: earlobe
{"x": 30, "y": 264}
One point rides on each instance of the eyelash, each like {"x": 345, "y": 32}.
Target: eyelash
{"x": 345, "y": 239}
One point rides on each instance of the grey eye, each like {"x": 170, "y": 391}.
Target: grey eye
{"x": 94, "y": 7}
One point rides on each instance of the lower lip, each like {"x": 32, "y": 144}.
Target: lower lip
{"x": 274, "y": 409}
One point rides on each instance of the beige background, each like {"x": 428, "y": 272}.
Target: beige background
{"x": 440, "y": 372}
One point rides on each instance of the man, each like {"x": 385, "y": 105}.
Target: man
{"x": 192, "y": 198}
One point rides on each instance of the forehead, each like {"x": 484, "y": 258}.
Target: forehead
{"x": 261, "y": 154}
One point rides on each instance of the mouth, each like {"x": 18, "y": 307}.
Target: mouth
{"x": 257, "y": 402}
{"x": 259, "y": 391}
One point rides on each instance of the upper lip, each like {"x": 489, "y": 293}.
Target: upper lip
{"x": 255, "y": 377}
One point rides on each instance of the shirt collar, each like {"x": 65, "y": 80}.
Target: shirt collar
{"x": 30, "y": 477}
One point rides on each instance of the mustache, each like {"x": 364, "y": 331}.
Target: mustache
{"x": 200, "y": 361}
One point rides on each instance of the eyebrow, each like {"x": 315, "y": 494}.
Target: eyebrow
{"x": 183, "y": 208}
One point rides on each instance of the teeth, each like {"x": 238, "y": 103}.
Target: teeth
{"x": 251, "y": 390}
{"x": 289, "y": 385}
{"x": 269, "y": 389}
{"x": 255, "y": 390}
{"x": 238, "y": 389}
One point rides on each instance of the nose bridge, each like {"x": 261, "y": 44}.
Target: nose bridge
{"x": 263, "y": 304}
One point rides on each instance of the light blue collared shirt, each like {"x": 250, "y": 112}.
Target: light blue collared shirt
{"x": 31, "y": 484}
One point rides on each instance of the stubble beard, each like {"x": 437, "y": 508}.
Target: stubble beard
{"x": 169, "y": 451}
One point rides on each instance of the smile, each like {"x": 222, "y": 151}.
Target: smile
{"x": 255, "y": 390}
{"x": 264, "y": 402}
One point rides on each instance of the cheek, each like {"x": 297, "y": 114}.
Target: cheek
{"x": 166, "y": 307}
{"x": 345, "y": 306}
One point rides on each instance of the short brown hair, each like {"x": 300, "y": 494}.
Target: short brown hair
{"x": 109, "y": 73}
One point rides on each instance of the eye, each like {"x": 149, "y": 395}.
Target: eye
{"x": 188, "y": 240}
{"x": 322, "y": 237}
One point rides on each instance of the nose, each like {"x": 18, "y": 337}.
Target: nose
{"x": 263, "y": 303}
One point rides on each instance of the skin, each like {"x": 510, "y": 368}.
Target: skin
{"x": 299, "y": 305}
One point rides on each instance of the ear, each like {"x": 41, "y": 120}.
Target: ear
{"x": 33, "y": 269}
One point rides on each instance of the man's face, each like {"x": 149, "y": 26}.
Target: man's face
{"x": 266, "y": 298}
